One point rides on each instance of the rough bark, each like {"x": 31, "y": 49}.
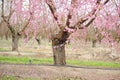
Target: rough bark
{"x": 94, "y": 43}
{"x": 58, "y": 46}
{"x": 15, "y": 39}
{"x": 38, "y": 41}
{"x": 58, "y": 53}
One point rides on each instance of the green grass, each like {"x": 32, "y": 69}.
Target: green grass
{"x": 27, "y": 60}
{"x": 3, "y": 49}
{"x": 6, "y": 77}
{"x": 94, "y": 63}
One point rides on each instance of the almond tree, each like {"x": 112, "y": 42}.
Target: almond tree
{"x": 110, "y": 23}
{"x": 59, "y": 39}
{"x": 8, "y": 13}
{"x": 67, "y": 16}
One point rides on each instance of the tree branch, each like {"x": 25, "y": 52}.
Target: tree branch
{"x": 52, "y": 8}
{"x": 91, "y": 20}
{"x": 25, "y": 26}
{"x": 4, "y": 18}
{"x": 106, "y": 2}
{"x": 73, "y": 3}
{"x": 3, "y": 11}
{"x": 81, "y": 21}
{"x": 93, "y": 14}
{"x": 68, "y": 19}
{"x": 11, "y": 11}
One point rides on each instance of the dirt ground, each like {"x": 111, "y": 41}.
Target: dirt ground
{"x": 50, "y": 72}
{"x": 47, "y": 72}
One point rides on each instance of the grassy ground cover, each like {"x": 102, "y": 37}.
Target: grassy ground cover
{"x": 20, "y": 78}
{"x": 16, "y": 78}
{"x": 29, "y": 60}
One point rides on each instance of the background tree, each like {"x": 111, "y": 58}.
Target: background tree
{"x": 4, "y": 31}
{"x": 16, "y": 26}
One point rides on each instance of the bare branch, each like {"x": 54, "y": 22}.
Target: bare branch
{"x": 93, "y": 14}
{"x": 11, "y": 11}
{"x": 91, "y": 20}
{"x": 5, "y": 20}
{"x": 117, "y": 7}
{"x": 27, "y": 23}
{"x": 106, "y": 2}
{"x": 81, "y": 21}
{"x": 52, "y": 8}
{"x": 68, "y": 19}
{"x": 98, "y": 2}
{"x": 1, "y": 23}
{"x": 3, "y": 11}
{"x": 25, "y": 26}
{"x": 73, "y": 3}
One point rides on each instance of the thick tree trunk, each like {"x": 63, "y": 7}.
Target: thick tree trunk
{"x": 94, "y": 43}
{"x": 15, "y": 39}
{"x": 58, "y": 46}
{"x": 6, "y": 36}
{"x": 38, "y": 41}
{"x": 58, "y": 53}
